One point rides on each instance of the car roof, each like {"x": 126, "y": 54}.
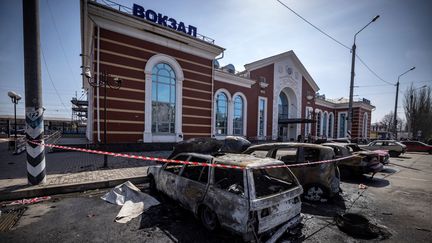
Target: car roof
{"x": 242, "y": 160}
{"x": 246, "y": 160}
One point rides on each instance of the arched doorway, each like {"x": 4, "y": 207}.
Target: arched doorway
{"x": 287, "y": 110}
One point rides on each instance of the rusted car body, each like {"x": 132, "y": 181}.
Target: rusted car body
{"x": 383, "y": 155}
{"x": 362, "y": 162}
{"x": 249, "y": 201}
{"x": 319, "y": 181}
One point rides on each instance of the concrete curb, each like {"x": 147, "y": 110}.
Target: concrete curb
{"x": 67, "y": 188}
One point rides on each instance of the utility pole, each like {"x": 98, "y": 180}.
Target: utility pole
{"x": 351, "y": 94}
{"x": 33, "y": 94}
{"x": 396, "y": 102}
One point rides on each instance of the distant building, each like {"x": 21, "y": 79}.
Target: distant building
{"x": 64, "y": 125}
{"x": 174, "y": 89}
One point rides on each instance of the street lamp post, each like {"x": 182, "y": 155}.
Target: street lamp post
{"x": 353, "y": 51}
{"x": 396, "y": 102}
{"x": 15, "y": 98}
{"x": 104, "y": 82}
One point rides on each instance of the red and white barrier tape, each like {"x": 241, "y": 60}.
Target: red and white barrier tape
{"x": 186, "y": 162}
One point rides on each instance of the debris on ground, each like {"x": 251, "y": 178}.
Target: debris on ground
{"x": 134, "y": 201}
{"x": 28, "y": 201}
{"x": 358, "y": 226}
{"x": 422, "y": 229}
{"x": 362, "y": 186}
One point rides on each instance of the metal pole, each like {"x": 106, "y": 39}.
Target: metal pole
{"x": 16, "y": 137}
{"x": 395, "y": 111}
{"x": 350, "y": 104}
{"x": 105, "y": 120}
{"x": 33, "y": 94}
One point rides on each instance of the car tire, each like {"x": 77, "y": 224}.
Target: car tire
{"x": 394, "y": 153}
{"x": 208, "y": 218}
{"x": 315, "y": 193}
{"x": 430, "y": 151}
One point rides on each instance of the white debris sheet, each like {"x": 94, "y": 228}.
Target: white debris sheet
{"x": 133, "y": 200}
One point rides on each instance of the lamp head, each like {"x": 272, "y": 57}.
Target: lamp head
{"x": 118, "y": 81}
{"x": 375, "y": 18}
{"x": 12, "y": 94}
{"x": 88, "y": 73}
{"x": 412, "y": 68}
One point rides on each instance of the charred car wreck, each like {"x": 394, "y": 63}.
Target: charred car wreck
{"x": 320, "y": 181}
{"x": 253, "y": 201}
{"x": 363, "y": 162}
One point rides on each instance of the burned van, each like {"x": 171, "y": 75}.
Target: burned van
{"x": 238, "y": 192}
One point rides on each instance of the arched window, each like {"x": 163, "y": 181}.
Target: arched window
{"x": 221, "y": 114}
{"x": 163, "y": 99}
{"x": 283, "y": 106}
{"x": 238, "y": 119}
{"x": 324, "y": 128}
{"x": 331, "y": 125}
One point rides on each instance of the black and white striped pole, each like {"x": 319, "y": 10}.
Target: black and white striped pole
{"x": 33, "y": 94}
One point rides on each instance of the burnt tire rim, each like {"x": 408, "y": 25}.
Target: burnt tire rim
{"x": 209, "y": 219}
{"x": 314, "y": 193}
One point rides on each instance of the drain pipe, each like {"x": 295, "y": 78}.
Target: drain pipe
{"x": 212, "y": 97}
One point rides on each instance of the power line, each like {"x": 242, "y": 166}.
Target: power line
{"x": 315, "y": 27}
{"x": 60, "y": 41}
{"x": 372, "y": 85}
{"x": 49, "y": 76}
{"x": 373, "y": 72}
{"x": 335, "y": 40}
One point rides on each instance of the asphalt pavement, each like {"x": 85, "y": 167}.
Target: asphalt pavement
{"x": 398, "y": 200}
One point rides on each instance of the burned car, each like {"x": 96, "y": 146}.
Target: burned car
{"x": 319, "y": 181}
{"x": 248, "y": 200}
{"x": 362, "y": 162}
{"x": 383, "y": 155}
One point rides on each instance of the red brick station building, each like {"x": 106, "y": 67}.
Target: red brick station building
{"x": 174, "y": 89}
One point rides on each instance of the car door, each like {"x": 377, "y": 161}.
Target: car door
{"x": 192, "y": 184}
{"x": 227, "y": 196}
{"x": 169, "y": 176}
{"x": 289, "y": 155}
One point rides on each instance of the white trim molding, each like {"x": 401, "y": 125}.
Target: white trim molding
{"x": 338, "y": 124}
{"x": 244, "y": 110}
{"x": 148, "y": 135}
{"x": 265, "y": 117}
{"x": 224, "y": 77}
{"x": 331, "y": 126}
{"x": 229, "y": 113}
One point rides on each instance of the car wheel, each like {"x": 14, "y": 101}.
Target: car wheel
{"x": 315, "y": 193}
{"x": 394, "y": 154}
{"x": 208, "y": 218}
{"x": 430, "y": 151}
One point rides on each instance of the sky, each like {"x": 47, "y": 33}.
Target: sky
{"x": 249, "y": 30}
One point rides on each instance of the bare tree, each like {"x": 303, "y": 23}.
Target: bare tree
{"x": 418, "y": 111}
{"x": 387, "y": 122}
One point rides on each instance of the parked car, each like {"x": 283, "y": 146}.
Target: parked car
{"x": 383, "y": 155}
{"x": 319, "y": 181}
{"x": 417, "y": 146}
{"x": 363, "y": 162}
{"x": 394, "y": 148}
{"x": 253, "y": 200}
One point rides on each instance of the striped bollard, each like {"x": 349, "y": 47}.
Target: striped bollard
{"x": 35, "y": 151}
